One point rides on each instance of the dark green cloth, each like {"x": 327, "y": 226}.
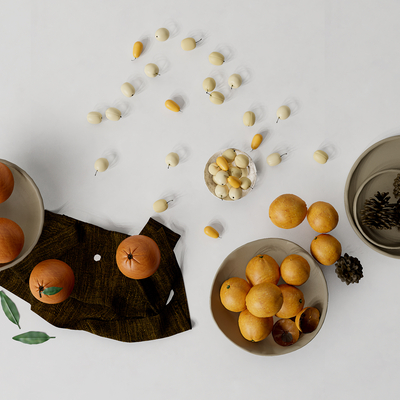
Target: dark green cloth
{"x": 104, "y": 301}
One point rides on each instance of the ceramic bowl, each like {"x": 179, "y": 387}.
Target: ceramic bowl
{"x": 315, "y": 292}
{"x": 251, "y": 174}
{"x": 382, "y": 182}
{"x": 25, "y": 207}
{"x": 381, "y": 156}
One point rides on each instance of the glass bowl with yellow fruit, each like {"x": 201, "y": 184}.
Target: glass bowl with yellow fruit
{"x": 230, "y": 174}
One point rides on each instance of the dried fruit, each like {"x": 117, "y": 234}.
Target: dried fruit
{"x": 285, "y": 332}
{"x": 307, "y": 319}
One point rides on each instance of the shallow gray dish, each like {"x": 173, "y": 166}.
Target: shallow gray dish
{"x": 381, "y": 156}
{"x": 25, "y": 207}
{"x": 315, "y": 293}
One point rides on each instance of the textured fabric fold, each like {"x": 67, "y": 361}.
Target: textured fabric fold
{"x": 104, "y": 301}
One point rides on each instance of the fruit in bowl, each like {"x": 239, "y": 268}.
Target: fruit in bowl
{"x": 6, "y": 182}
{"x": 11, "y": 240}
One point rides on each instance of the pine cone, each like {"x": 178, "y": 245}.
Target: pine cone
{"x": 349, "y": 269}
{"x": 396, "y": 184}
{"x": 378, "y": 213}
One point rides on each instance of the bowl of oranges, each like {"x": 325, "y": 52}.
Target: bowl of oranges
{"x": 269, "y": 297}
{"x": 21, "y": 214}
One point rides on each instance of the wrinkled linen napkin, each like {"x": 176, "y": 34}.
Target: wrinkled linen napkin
{"x": 104, "y": 301}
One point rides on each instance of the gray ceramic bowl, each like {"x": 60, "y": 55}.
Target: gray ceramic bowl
{"x": 382, "y": 182}
{"x": 25, "y": 207}
{"x": 315, "y": 292}
{"x": 382, "y": 156}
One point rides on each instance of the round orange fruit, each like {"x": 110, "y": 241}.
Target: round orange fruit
{"x": 6, "y": 182}
{"x": 322, "y": 217}
{"x": 233, "y": 294}
{"x": 293, "y": 301}
{"x": 287, "y": 211}
{"x": 285, "y": 332}
{"x": 295, "y": 270}
{"x": 254, "y": 328}
{"x": 326, "y": 249}
{"x": 264, "y": 300}
{"x": 262, "y": 268}
{"x": 11, "y": 240}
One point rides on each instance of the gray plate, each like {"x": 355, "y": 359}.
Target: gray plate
{"x": 381, "y": 156}
{"x": 25, "y": 207}
{"x": 315, "y": 293}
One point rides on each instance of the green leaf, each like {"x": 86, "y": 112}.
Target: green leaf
{"x": 10, "y": 309}
{"x": 33, "y": 337}
{"x": 52, "y": 290}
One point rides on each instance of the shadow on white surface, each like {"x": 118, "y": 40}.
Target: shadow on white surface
{"x": 173, "y": 27}
{"x": 138, "y": 83}
{"x": 246, "y": 73}
{"x": 181, "y": 99}
{"x": 227, "y": 51}
{"x": 200, "y": 36}
{"x": 148, "y": 43}
{"x": 329, "y": 148}
{"x": 260, "y": 111}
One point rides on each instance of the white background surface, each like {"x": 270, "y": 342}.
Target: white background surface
{"x": 336, "y": 63}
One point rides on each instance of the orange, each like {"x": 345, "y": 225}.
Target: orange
{"x": 295, "y": 270}
{"x": 326, "y": 249}
{"x": 253, "y": 328}
{"x": 287, "y": 211}
{"x": 322, "y": 217}
{"x": 285, "y": 332}
{"x": 233, "y": 294}
{"x": 264, "y": 300}
{"x": 262, "y": 268}
{"x": 307, "y": 319}
{"x": 293, "y": 301}
{"x": 6, "y": 182}
{"x": 11, "y": 240}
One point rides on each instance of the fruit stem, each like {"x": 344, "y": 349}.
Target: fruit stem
{"x": 41, "y": 288}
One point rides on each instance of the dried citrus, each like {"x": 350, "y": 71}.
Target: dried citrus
{"x": 307, "y": 319}
{"x": 233, "y": 294}
{"x": 295, "y": 270}
{"x": 254, "y": 328}
{"x": 264, "y": 300}
{"x": 262, "y": 268}
{"x": 293, "y": 301}
{"x": 287, "y": 211}
{"x": 285, "y": 332}
{"x": 322, "y": 217}
{"x": 326, "y": 249}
